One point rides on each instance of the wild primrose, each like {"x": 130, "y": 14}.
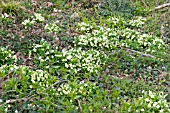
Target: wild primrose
{"x": 75, "y": 89}
{"x": 35, "y": 79}
{"x": 107, "y": 38}
{"x": 75, "y": 61}
{"x": 7, "y": 56}
{"x": 52, "y": 28}
{"x": 38, "y": 17}
{"x": 31, "y": 21}
{"x": 80, "y": 61}
{"x": 84, "y": 27}
{"x": 100, "y": 38}
{"x": 137, "y": 22}
{"x": 149, "y": 102}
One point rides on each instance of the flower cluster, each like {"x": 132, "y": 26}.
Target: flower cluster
{"x": 137, "y": 22}
{"x": 52, "y": 27}
{"x": 5, "y": 15}
{"x": 107, "y": 38}
{"x": 156, "y": 102}
{"x": 98, "y": 39}
{"x": 46, "y": 56}
{"x": 80, "y": 61}
{"x": 75, "y": 61}
{"x": 4, "y": 69}
{"x": 115, "y": 22}
{"x": 150, "y": 102}
{"x": 153, "y": 43}
{"x": 36, "y": 18}
{"x": 84, "y": 27}
{"x": 28, "y": 22}
{"x": 7, "y": 56}
{"x": 35, "y": 79}
{"x": 40, "y": 78}
{"x": 136, "y": 40}
{"x": 75, "y": 90}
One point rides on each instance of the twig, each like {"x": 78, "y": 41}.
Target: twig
{"x": 50, "y": 103}
{"x": 162, "y": 6}
{"x": 141, "y": 53}
{"x": 79, "y": 105}
{"x": 162, "y": 26}
{"x": 144, "y": 3}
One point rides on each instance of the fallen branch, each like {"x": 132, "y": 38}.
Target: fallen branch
{"x": 141, "y": 53}
{"x": 162, "y": 6}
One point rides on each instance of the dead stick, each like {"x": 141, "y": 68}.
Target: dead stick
{"x": 162, "y": 6}
{"x": 141, "y": 53}
{"x": 79, "y": 105}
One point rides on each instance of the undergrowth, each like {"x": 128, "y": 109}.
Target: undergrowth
{"x": 53, "y": 58}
